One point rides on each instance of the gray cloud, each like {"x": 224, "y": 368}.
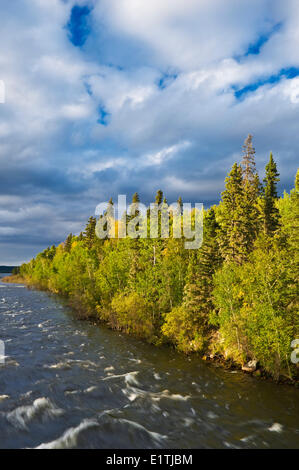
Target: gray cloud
{"x": 166, "y": 73}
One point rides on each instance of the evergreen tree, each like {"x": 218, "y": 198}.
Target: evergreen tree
{"x": 240, "y": 224}
{"x": 89, "y": 233}
{"x": 180, "y": 203}
{"x": 159, "y": 197}
{"x": 199, "y": 283}
{"x": 248, "y": 162}
{"x": 68, "y": 243}
{"x": 270, "y": 212}
{"x": 134, "y": 211}
{"x": 188, "y": 325}
{"x": 251, "y": 180}
{"x": 157, "y": 289}
{"x": 135, "y": 198}
{"x": 232, "y": 232}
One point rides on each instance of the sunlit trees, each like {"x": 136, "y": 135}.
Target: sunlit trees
{"x": 235, "y": 296}
{"x": 187, "y": 325}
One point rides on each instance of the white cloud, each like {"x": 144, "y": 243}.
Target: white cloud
{"x": 188, "y": 34}
{"x": 164, "y": 154}
{"x": 57, "y": 159}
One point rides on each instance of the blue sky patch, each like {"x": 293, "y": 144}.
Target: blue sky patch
{"x": 79, "y": 25}
{"x": 288, "y": 73}
{"x": 166, "y": 80}
{"x": 255, "y": 47}
{"x": 103, "y": 116}
{"x": 88, "y": 88}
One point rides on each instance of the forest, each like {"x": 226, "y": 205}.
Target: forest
{"x": 235, "y": 298}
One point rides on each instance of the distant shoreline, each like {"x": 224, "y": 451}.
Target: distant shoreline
{"x": 7, "y": 269}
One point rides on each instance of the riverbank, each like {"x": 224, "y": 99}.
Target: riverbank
{"x": 13, "y": 279}
{"x": 69, "y": 384}
{"x": 219, "y": 360}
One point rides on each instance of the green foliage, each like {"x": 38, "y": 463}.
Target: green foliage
{"x": 133, "y": 315}
{"x": 257, "y": 309}
{"x": 159, "y": 197}
{"x": 89, "y": 233}
{"x": 187, "y": 326}
{"x": 68, "y": 243}
{"x": 233, "y": 221}
{"x": 236, "y": 295}
{"x": 135, "y": 198}
{"x": 270, "y": 213}
{"x": 181, "y": 328}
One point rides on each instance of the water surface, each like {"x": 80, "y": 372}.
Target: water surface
{"x": 68, "y": 384}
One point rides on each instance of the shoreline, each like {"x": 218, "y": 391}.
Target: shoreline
{"x": 228, "y": 364}
{"x": 13, "y": 279}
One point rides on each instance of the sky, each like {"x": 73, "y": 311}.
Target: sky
{"x": 108, "y": 97}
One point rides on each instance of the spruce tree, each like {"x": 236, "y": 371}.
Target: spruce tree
{"x": 248, "y": 162}
{"x": 188, "y": 325}
{"x": 210, "y": 258}
{"x": 233, "y": 225}
{"x": 199, "y": 283}
{"x": 135, "y": 198}
{"x": 159, "y": 197}
{"x": 89, "y": 233}
{"x": 270, "y": 211}
{"x": 134, "y": 211}
{"x": 68, "y": 243}
{"x": 180, "y": 203}
{"x": 240, "y": 223}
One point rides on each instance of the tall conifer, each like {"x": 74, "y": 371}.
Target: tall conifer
{"x": 248, "y": 162}
{"x": 270, "y": 211}
{"x": 68, "y": 243}
{"x": 89, "y": 233}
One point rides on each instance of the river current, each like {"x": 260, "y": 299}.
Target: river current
{"x": 66, "y": 383}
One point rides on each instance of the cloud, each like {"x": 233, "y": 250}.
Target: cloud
{"x": 116, "y": 96}
{"x": 164, "y": 154}
{"x": 189, "y": 34}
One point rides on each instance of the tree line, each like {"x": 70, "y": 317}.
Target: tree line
{"x": 235, "y": 297}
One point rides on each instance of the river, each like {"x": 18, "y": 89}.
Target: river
{"x": 68, "y": 384}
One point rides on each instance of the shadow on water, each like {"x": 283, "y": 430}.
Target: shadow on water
{"x": 68, "y": 384}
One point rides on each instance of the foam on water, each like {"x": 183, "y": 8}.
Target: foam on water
{"x": 3, "y": 397}
{"x": 276, "y": 427}
{"x": 70, "y": 438}
{"x": 155, "y": 435}
{"x": 23, "y": 415}
{"x": 132, "y": 393}
{"x": 130, "y": 377}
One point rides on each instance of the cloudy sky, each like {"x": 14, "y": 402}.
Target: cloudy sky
{"x": 106, "y": 97}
